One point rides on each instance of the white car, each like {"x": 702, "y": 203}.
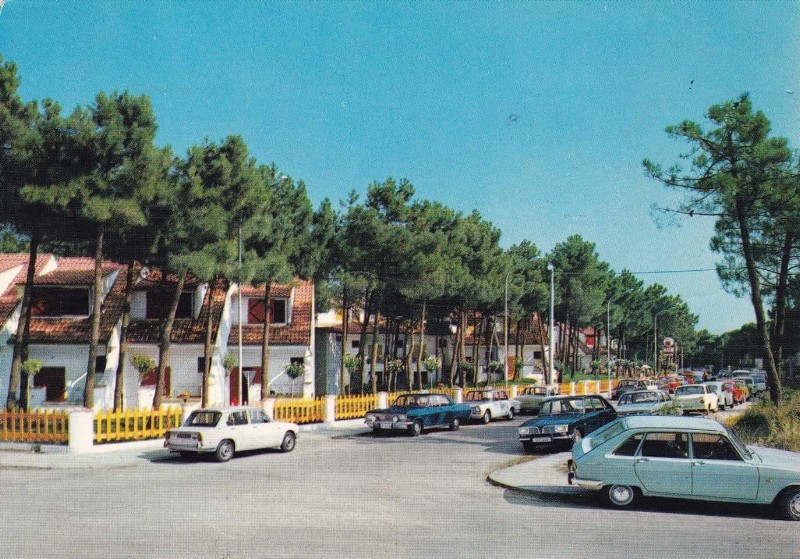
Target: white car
{"x": 696, "y": 397}
{"x": 491, "y": 403}
{"x": 724, "y": 398}
{"x": 230, "y": 429}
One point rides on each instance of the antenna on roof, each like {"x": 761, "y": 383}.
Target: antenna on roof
{"x": 144, "y": 272}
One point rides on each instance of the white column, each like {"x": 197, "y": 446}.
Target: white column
{"x": 81, "y": 431}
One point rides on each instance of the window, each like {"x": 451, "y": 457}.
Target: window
{"x": 665, "y": 445}
{"x": 159, "y": 302}
{"x": 629, "y": 447}
{"x": 53, "y": 380}
{"x": 201, "y": 364}
{"x": 277, "y": 315}
{"x": 60, "y": 301}
{"x": 258, "y": 416}
{"x": 237, "y": 418}
{"x": 713, "y": 447}
{"x": 355, "y": 344}
{"x": 100, "y": 364}
{"x": 443, "y": 342}
{"x": 296, "y": 361}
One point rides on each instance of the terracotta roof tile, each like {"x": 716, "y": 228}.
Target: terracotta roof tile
{"x": 184, "y": 330}
{"x": 55, "y": 330}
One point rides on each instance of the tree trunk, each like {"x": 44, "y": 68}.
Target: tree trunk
{"x": 88, "y": 392}
{"x": 22, "y": 335}
{"x": 774, "y": 380}
{"x": 373, "y": 366}
{"x": 421, "y": 353}
{"x": 780, "y": 301}
{"x": 344, "y": 387}
{"x": 207, "y": 355}
{"x": 462, "y": 357}
{"x": 165, "y": 341}
{"x": 265, "y": 333}
{"x": 119, "y": 384}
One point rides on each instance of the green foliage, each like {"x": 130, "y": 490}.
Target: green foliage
{"x": 496, "y": 367}
{"x": 350, "y": 363}
{"x": 229, "y": 361}
{"x": 395, "y": 366}
{"x": 142, "y": 362}
{"x": 31, "y": 366}
{"x": 295, "y": 370}
{"x": 766, "y": 424}
{"x": 432, "y": 364}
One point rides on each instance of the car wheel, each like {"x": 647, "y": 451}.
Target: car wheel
{"x": 487, "y": 417}
{"x": 416, "y": 428}
{"x": 289, "y": 441}
{"x": 621, "y": 496}
{"x": 455, "y": 424}
{"x": 788, "y": 503}
{"x": 510, "y": 414}
{"x": 225, "y": 450}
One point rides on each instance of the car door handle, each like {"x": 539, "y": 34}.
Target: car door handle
{"x": 698, "y": 463}
{"x": 642, "y": 460}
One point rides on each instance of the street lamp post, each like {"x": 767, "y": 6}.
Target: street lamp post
{"x": 505, "y": 334}
{"x": 552, "y": 336}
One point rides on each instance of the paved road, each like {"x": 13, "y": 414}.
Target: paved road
{"x": 354, "y": 496}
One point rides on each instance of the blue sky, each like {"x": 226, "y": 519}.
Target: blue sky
{"x": 538, "y": 114}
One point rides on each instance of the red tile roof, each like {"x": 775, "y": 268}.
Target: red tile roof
{"x": 184, "y": 330}
{"x": 74, "y": 271}
{"x": 57, "y": 330}
{"x": 9, "y": 299}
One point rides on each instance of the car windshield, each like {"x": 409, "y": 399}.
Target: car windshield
{"x": 534, "y": 391}
{"x": 411, "y": 400}
{"x": 740, "y": 446}
{"x": 638, "y": 398}
{"x": 689, "y": 390}
{"x": 203, "y": 418}
{"x": 558, "y": 407}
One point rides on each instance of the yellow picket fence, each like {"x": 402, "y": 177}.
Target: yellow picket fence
{"x": 132, "y": 425}
{"x": 352, "y": 407}
{"x": 36, "y": 426}
{"x": 300, "y": 411}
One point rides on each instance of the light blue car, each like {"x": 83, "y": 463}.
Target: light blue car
{"x": 687, "y": 458}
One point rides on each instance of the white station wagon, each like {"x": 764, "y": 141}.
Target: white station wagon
{"x": 230, "y": 429}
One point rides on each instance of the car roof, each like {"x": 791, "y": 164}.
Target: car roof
{"x": 227, "y": 409}
{"x": 672, "y": 422}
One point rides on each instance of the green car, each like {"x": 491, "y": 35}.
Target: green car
{"x": 687, "y": 458}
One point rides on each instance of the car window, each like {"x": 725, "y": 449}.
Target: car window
{"x": 237, "y": 418}
{"x": 665, "y": 445}
{"x": 474, "y": 396}
{"x": 629, "y": 447}
{"x": 258, "y": 416}
{"x": 201, "y": 418}
{"x": 707, "y": 446}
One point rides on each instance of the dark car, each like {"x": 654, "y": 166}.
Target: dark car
{"x": 626, "y": 385}
{"x": 565, "y": 420}
{"x": 413, "y": 413}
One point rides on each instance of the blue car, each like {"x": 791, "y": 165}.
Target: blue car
{"x": 413, "y": 413}
{"x": 686, "y": 458}
{"x": 565, "y": 420}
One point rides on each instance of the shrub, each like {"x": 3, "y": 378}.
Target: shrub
{"x": 766, "y": 424}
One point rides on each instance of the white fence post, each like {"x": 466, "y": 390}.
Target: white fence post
{"x": 268, "y": 406}
{"x": 572, "y": 390}
{"x": 81, "y": 431}
{"x": 459, "y": 395}
{"x": 383, "y": 400}
{"x": 330, "y": 409}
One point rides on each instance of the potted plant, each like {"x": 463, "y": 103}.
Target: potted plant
{"x": 295, "y": 371}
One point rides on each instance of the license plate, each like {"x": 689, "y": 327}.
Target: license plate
{"x": 385, "y": 424}
{"x": 540, "y": 439}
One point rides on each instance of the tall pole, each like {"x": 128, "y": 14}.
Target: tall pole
{"x": 608, "y": 345}
{"x": 551, "y": 373}
{"x": 505, "y": 334}
{"x": 239, "y": 311}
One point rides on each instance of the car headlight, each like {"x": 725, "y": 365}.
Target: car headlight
{"x": 560, "y": 428}
{"x": 524, "y": 431}
{"x": 397, "y": 418}
{"x": 369, "y": 418}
